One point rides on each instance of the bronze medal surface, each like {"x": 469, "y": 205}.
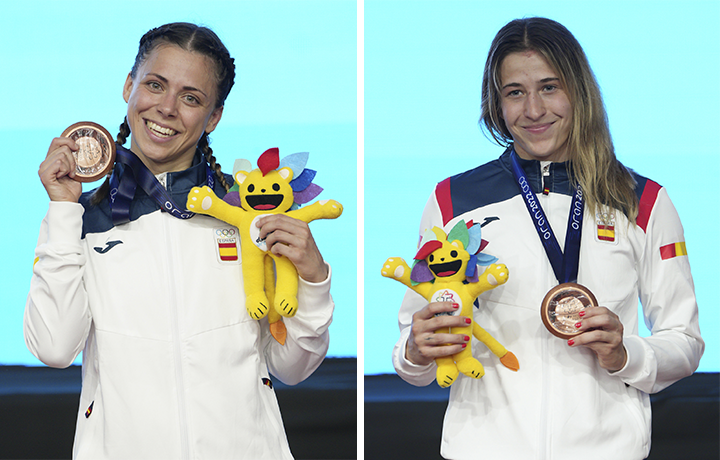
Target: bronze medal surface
{"x": 96, "y": 150}
{"x": 561, "y": 307}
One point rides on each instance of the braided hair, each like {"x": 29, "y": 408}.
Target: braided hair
{"x": 189, "y": 37}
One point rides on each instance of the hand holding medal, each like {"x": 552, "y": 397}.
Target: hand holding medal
{"x": 95, "y": 155}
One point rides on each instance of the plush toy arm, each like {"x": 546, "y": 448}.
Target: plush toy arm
{"x": 493, "y": 276}
{"x": 396, "y": 268}
{"x": 324, "y": 209}
{"x": 202, "y": 200}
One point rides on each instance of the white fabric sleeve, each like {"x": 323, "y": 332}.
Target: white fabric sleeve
{"x": 57, "y": 318}
{"x": 413, "y": 373}
{"x": 308, "y": 337}
{"x": 670, "y": 310}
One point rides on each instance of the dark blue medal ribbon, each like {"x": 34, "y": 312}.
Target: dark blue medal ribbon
{"x": 564, "y": 263}
{"x": 122, "y": 190}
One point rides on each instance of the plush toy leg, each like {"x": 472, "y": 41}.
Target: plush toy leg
{"x": 447, "y": 371}
{"x": 506, "y": 357}
{"x": 256, "y": 302}
{"x": 286, "y": 287}
{"x": 277, "y": 327}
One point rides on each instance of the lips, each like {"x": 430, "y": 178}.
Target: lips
{"x": 446, "y": 269}
{"x": 158, "y": 130}
{"x": 538, "y": 129}
{"x": 264, "y": 202}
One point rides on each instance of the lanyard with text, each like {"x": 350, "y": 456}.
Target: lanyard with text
{"x": 564, "y": 263}
{"x": 122, "y": 193}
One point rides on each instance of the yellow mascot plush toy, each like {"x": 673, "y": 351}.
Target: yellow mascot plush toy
{"x": 275, "y": 187}
{"x": 446, "y": 269}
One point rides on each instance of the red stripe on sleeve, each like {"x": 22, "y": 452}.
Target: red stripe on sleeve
{"x": 444, "y": 199}
{"x": 667, "y": 251}
{"x": 647, "y": 201}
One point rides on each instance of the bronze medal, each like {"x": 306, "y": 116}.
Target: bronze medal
{"x": 561, "y": 307}
{"x": 96, "y": 150}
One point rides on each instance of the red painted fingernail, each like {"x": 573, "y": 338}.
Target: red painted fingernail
{"x": 456, "y": 306}
{"x": 467, "y": 338}
{"x": 464, "y": 345}
{"x": 581, "y": 314}
{"x": 571, "y": 342}
{"x": 468, "y": 320}
{"x": 578, "y": 324}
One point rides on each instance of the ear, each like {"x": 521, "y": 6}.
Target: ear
{"x": 127, "y": 89}
{"x": 286, "y": 173}
{"x": 240, "y": 176}
{"x": 214, "y": 119}
{"x": 458, "y": 244}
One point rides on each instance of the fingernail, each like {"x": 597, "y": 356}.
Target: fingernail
{"x": 571, "y": 342}
{"x": 467, "y": 338}
{"x": 464, "y": 345}
{"x": 578, "y": 324}
{"x": 468, "y": 320}
{"x": 456, "y": 306}
{"x": 581, "y": 314}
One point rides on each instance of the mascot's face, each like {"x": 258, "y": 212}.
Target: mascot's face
{"x": 270, "y": 193}
{"x": 449, "y": 261}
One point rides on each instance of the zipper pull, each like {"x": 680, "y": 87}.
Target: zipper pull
{"x": 545, "y": 173}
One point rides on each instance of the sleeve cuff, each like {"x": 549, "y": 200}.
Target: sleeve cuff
{"x": 64, "y": 222}
{"x": 634, "y": 364}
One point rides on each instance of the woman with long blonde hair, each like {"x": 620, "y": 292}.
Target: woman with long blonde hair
{"x": 569, "y": 221}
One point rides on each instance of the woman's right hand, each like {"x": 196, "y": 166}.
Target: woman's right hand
{"x": 58, "y": 170}
{"x": 424, "y": 345}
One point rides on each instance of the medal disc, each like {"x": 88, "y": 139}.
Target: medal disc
{"x": 561, "y": 307}
{"x": 96, "y": 150}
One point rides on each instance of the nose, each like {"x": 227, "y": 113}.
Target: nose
{"x": 534, "y": 106}
{"x": 168, "y": 105}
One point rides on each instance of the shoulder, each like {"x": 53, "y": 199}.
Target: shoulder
{"x": 96, "y": 218}
{"x": 647, "y": 192}
{"x": 486, "y": 184}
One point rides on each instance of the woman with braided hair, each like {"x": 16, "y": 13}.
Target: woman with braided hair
{"x": 173, "y": 366}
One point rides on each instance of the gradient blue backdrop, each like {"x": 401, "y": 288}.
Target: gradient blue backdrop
{"x": 66, "y": 61}
{"x": 657, "y": 63}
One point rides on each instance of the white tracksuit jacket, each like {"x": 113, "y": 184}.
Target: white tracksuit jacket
{"x": 173, "y": 366}
{"x": 561, "y": 405}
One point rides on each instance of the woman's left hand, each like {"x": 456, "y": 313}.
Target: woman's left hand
{"x": 602, "y": 332}
{"x": 291, "y": 238}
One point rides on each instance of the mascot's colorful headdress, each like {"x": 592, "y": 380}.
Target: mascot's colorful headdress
{"x": 302, "y": 184}
{"x": 470, "y": 235}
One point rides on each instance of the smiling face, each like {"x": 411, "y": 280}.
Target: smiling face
{"x": 535, "y": 107}
{"x": 449, "y": 261}
{"x": 171, "y": 103}
{"x": 266, "y": 193}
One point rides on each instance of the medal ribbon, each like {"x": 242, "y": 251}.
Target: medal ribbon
{"x": 564, "y": 263}
{"x": 122, "y": 190}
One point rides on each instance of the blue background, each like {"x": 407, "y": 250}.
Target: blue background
{"x": 657, "y": 63}
{"x": 66, "y": 61}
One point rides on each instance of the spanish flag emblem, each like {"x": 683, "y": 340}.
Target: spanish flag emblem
{"x": 605, "y": 226}
{"x": 606, "y": 232}
{"x": 228, "y": 251}
{"x": 673, "y": 250}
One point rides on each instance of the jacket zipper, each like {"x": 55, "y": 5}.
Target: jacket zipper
{"x": 545, "y": 429}
{"x": 177, "y": 342}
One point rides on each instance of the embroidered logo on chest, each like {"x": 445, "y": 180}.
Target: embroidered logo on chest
{"x": 226, "y": 244}
{"x": 606, "y": 222}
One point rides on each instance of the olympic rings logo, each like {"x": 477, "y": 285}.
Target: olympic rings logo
{"x": 225, "y": 232}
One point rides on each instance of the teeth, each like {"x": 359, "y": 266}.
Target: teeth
{"x": 159, "y": 130}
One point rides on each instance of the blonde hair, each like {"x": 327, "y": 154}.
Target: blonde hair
{"x": 593, "y": 165}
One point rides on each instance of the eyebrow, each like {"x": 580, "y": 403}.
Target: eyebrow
{"x": 185, "y": 88}
{"x": 544, "y": 80}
